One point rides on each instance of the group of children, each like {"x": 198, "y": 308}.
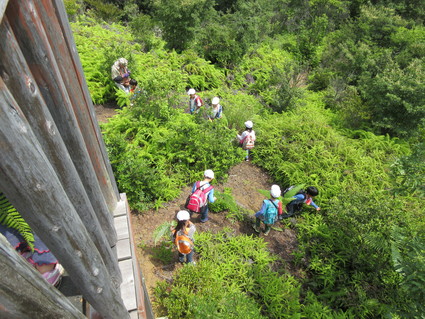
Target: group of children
{"x": 203, "y": 193}
{"x": 195, "y": 104}
{"x": 246, "y": 139}
{"x": 121, "y": 76}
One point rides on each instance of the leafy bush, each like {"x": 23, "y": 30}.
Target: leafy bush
{"x": 226, "y": 203}
{"x": 155, "y": 149}
{"x": 230, "y": 266}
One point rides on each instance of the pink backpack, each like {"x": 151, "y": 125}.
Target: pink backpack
{"x": 198, "y": 199}
{"x": 248, "y": 142}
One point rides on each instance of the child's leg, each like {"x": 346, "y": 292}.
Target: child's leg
{"x": 181, "y": 258}
{"x": 189, "y": 257}
{"x": 267, "y": 229}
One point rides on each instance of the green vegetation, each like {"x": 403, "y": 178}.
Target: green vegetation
{"x": 335, "y": 91}
{"x": 11, "y": 218}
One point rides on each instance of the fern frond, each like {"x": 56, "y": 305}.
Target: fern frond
{"x": 11, "y": 218}
{"x": 162, "y": 231}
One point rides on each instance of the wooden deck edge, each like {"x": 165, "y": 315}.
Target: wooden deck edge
{"x": 144, "y": 307}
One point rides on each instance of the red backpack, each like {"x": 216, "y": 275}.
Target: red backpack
{"x": 198, "y": 199}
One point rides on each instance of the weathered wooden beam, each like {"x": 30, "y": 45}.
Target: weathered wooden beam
{"x": 69, "y": 38}
{"x": 3, "y": 4}
{"x": 33, "y": 188}
{"x": 88, "y": 125}
{"x": 25, "y": 91}
{"x": 24, "y": 294}
{"x": 37, "y": 51}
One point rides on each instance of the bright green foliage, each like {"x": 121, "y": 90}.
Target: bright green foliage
{"x": 11, "y": 218}
{"x": 155, "y": 149}
{"x": 351, "y": 173}
{"x": 99, "y": 46}
{"x": 229, "y": 267}
{"x": 123, "y": 98}
{"x": 226, "y": 202}
{"x": 163, "y": 231}
{"x": 272, "y": 73}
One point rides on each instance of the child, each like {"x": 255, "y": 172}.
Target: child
{"x": 305, "y": 196}
{"x": 41, "y": 258}
{"x": 183, "y": 237}
{"x": 247, "y": 139}
{"x": 133, "y": 86}
{"x": 205, "y": 186}
{"x": 269, "y": 211}
{"x": 195, "y": 102}
{"x": 217, "y": 109}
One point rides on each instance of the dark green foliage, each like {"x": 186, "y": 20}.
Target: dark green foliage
{"x": 105, "y": 11}
{"x": 164, "y": 252}
{"x": 409, "y": 172}
{"x": 11, "y": 218}
{"x": 408, "y": 259}
{"x": 375, "y": 64}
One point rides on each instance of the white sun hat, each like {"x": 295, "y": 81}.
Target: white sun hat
{"x": 215, "y": 100}
{"x": 183, "y": 215}
{"x": 209, "y": 174}
{"x": 275, "y": 191}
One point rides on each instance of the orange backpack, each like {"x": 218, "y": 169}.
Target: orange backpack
{"x": 183, "y": 243}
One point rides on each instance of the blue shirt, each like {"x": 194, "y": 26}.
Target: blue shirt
{"x": 210, "y": 195}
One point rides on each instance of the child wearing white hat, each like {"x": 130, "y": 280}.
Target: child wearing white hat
{"x": 247, "y": 138}
{"x": 183, "y": 237}
{"x": 269, "y": 212}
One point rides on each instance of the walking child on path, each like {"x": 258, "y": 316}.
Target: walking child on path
{"x": 195, "y": 102}
{"x": 202, "y": 193}
{"x": 247, "y": 139}
{"x": 183, "y": 237}
{"x": 269, "y": 212}
{"x": 217, "y": 109}
{"x": 303, "y": 197}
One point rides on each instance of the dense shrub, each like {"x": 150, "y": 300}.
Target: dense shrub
{"x": 155, "y": 149}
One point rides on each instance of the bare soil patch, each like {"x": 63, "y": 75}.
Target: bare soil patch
{"x": 105, "y": 111}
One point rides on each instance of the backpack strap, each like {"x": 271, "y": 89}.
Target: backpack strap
{"x": 274, "y": 204}
{"x": 206, "y": 190}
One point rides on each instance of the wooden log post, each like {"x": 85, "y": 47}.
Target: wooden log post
{"x": 25, "y": 91}
{"x": 69, "y": 39}
{"x": 32, "y": 39}
{"x": 33, "y": 188}
{"x": 24, "y": 294}
{"x": 87, "y": 124}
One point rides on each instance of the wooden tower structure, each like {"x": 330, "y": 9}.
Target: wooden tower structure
{"x": 55, "y": 171}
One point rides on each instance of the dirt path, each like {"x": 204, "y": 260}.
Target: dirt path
{"x": 244, "y": 180}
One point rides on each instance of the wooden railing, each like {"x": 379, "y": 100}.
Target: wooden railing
{"x": 53, "y": 163}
